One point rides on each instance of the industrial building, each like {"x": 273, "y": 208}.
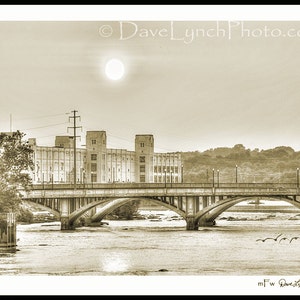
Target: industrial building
{"x": 99, "y": 164}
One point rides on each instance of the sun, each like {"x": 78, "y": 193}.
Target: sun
{"x": 114, "y": 69}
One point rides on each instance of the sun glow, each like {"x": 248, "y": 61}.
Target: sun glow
{"x": 114, "y": 69}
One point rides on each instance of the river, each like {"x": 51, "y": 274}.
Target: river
{"x": 160, "y": 248}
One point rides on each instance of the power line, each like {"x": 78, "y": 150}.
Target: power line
{"x": 41, "y": 117}
{"x": 45, "y": 126}
{"x": 51, "y": 135}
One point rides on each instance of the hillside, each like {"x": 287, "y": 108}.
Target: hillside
{"x": 273, "y": 165}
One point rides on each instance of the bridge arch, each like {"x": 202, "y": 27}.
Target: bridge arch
{"x": 53, "y": 211}
{"x": 82, "y": 210}
{"x": 207, "y": 216}
{"x": 109, "y": 205}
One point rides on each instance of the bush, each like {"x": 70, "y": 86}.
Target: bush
{"x": 24, "y": 215}
{"x": 127, "y": 211}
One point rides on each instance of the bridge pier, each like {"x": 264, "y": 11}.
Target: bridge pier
{"x": 65, "y": 224}
{"x": 191, "y": 224}
{"x": 65, "y": 212}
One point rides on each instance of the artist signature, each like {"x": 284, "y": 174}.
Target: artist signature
{"x": 283, "y": 283}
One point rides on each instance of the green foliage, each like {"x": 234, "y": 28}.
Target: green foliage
{"x": 24, "y": 215}
{"x": 15, "y": 164}
{"x": 127, "y": 211}
{"x": 272, "y": 165}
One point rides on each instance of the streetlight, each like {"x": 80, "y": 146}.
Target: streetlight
{"x": 218, "y": 177}
{"x": 83, "y": 178}
{"x": 181, "y": 173}
{"x": 236, "y": 174}
{"x": 297, "y": 177}
{"x": 213, "y": 177}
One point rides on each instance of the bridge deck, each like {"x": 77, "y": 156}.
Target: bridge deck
{"x": 160, "y": 190}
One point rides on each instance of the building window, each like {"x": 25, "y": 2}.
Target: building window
{"x": 155, "y": 169}
{"x": 142, "y": 159}
{"x": 142, "y": 168}
{"x": 94, "y": 177}
{"x": 142, "y": 145}
{"x": 94, "y": 142}
{"x": 142, "y": 178}
{"x": 93, "y": 156}
{"x": 93, "y": 167}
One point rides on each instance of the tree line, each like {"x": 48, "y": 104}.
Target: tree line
{"x": 278, "y": 165}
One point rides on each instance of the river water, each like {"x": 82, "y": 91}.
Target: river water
{"x": 160, "y": 248}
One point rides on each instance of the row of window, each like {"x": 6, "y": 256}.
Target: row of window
{"x": 161, "y": 179}
{"x": 157, "y": 169}
{"x": 55, "y": 154}
{"x": 94, "y": 168}
{"x": 56, "y": 167}
{"x": 94, "y": 157}
{"x": 94, "y": 142}
{"x": 168, "y": 169}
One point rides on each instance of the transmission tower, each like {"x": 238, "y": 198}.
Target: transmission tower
{"x": 74, "y": 127}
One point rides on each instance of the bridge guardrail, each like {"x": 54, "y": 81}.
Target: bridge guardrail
{"x": 64, "y": 186}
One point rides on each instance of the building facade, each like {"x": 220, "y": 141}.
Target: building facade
{"x": 97, "y": 163}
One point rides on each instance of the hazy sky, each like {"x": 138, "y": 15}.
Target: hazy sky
{"x": 193, "y": 85}
{"x": 192, "y": 92}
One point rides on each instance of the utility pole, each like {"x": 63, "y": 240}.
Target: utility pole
{"x": 74, "y": 127}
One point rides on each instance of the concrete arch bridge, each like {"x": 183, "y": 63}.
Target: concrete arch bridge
{"x": 199, "y": 204}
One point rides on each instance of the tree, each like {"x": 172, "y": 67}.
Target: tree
{"x": 127, "y": 211}
{"x": 15, "y": 164}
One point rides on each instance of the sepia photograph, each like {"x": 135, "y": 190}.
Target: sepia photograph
{"x": 149, "y": 151}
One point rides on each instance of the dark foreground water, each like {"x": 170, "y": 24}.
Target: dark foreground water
{"x": 163, "y": 248}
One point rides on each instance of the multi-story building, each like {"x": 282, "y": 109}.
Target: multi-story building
{"x": 97, "y": 163}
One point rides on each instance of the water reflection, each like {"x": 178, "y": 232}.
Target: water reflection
{"x": 114, "y": 263}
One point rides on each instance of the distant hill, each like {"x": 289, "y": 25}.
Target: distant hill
{"x": 273, "y": 165}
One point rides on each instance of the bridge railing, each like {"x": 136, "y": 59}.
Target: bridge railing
{"x": 69, "y": 186}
